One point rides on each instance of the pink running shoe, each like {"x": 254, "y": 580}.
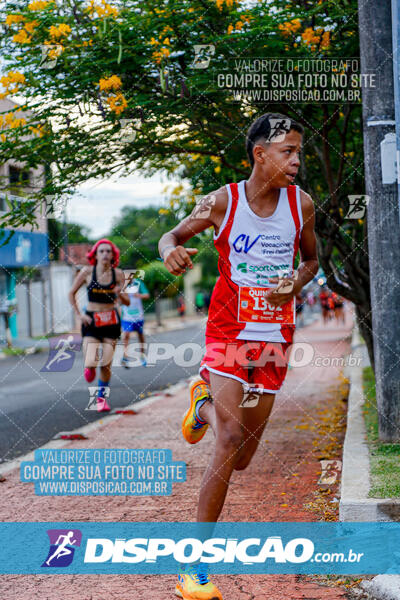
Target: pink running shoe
{"x": 89, "y": 374}
{"x": 102, "y": 405}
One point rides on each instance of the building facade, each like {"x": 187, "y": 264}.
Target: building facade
{"x": 24, "y": 248}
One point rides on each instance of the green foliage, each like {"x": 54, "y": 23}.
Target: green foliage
{"x": 159, "y": 281}
{"x": 137, "y": 232}
{"x": 76, "y": 234}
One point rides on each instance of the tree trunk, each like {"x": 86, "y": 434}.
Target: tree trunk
{"x": 375, "y": 27}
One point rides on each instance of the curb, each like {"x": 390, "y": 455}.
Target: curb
{"x": 354, "y": 503}
{"x": 355, "y": 484}
{"x": 382, "y": 587}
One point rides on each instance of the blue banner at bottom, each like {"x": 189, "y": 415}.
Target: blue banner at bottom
{"x": 227, "y": 548}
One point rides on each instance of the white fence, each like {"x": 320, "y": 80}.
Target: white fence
{"x": 43, "y": 305}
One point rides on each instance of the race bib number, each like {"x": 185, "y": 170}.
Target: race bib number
{"x": 254, "y": 308}
{"x": 106, "y": 317}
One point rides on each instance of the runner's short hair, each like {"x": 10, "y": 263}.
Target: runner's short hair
{"x": 261, "y": 129}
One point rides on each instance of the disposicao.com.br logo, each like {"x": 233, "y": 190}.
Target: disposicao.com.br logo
{"x": 213, "y": 550}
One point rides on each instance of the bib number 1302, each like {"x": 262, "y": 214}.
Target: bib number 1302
{"x": 255, "y": 308}
{"x": 262, "y": 304}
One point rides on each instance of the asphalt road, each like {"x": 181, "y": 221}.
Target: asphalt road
{"x": 35, "y": 405}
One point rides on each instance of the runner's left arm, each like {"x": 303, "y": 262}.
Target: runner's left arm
{"x": 143, "y": 292}
{"x": 308, "y": 266}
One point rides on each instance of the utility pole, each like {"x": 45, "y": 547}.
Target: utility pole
{"x": 375, "y": 27}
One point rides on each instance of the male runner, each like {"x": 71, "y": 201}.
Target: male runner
{"x": 259, "y": 225}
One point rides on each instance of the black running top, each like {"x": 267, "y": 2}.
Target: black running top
{"x": 99, "y": 293}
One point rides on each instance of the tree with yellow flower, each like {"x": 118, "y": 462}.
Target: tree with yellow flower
{"x": 153, "y": 67}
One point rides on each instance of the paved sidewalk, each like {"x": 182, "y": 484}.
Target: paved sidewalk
{"x": 306, "y": 425}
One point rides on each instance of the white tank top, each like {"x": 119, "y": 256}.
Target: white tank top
{"x": 251, "y": 250}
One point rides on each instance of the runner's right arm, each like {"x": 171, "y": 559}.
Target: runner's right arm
{"x": 209, "y": 212}
{"x": 78, "y": 282}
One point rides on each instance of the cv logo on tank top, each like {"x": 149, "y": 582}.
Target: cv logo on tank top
{"x": 243, "y": 243}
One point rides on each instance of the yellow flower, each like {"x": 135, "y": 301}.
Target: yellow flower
{"x": 245, "y": 163}
{"x": 57, "y": 31}
{"x": 239, "y": 25}
{"x": 10, "y": 82}
{"x": 13, "y": 77}
{"x": 229, "y": 3}
{"x": 110, "y": 83}
{"x": 217, "y": 169}
{"x": 22, "y": 37}
{"x": 103, "y": 9}
{"x": 160, "y": 54}
{"x": 166, "y": 42}
{"x": 30, "y": 26}
{"x": 11, "y": 19}
{"x": 38, "y": 4}
{"x": 15, "y": 123}
{"x": 325, "y": 43}
{"x": 309, "y": 37}
{"x": 55, "y": 52}
{"x": 36, "y": 130}
{"x": 230, "y": 29}
{"x": 117, "y": 103}
{"x": 289, "y": 27}
{"x": 163, "y": 211}
{"x": 296, "y": 24}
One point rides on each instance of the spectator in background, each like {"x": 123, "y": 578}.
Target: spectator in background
{"x": 324, "y": 301}
{"x": 338, "y": 307}
{"x": 181, "y": 305}
{"x": 310, "y": 298}
{"x": 199, "y": 301}
{"x": 207, "y": 300}
{"x": 132, "y": 318}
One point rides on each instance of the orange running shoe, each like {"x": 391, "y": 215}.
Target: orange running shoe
{"x": 193, "y": 428}
{"x": 194, "y": 584}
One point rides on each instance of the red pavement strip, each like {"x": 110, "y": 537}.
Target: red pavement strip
{"x": 280, "y": 481}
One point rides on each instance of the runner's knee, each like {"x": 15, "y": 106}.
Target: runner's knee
{"x": 231, "y": 437}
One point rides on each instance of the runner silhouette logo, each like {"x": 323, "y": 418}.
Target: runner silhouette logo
{"x": 61, "y": 353}
{"x": 62, "y": 547}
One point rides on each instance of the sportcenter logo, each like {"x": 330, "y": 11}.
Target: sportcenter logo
{"x": 244, "y": 268}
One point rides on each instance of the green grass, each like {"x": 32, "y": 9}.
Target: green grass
{"x": 384, "y": 457}
{"x": 13, "y": 351}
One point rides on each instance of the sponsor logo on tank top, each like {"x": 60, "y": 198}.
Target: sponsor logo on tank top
{"x": 270, "y": 244}
{"x": 263, "y": 272}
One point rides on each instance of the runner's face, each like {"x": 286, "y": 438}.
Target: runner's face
{"x": 104, "y": 254}
{"x": 280, "y": 161}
